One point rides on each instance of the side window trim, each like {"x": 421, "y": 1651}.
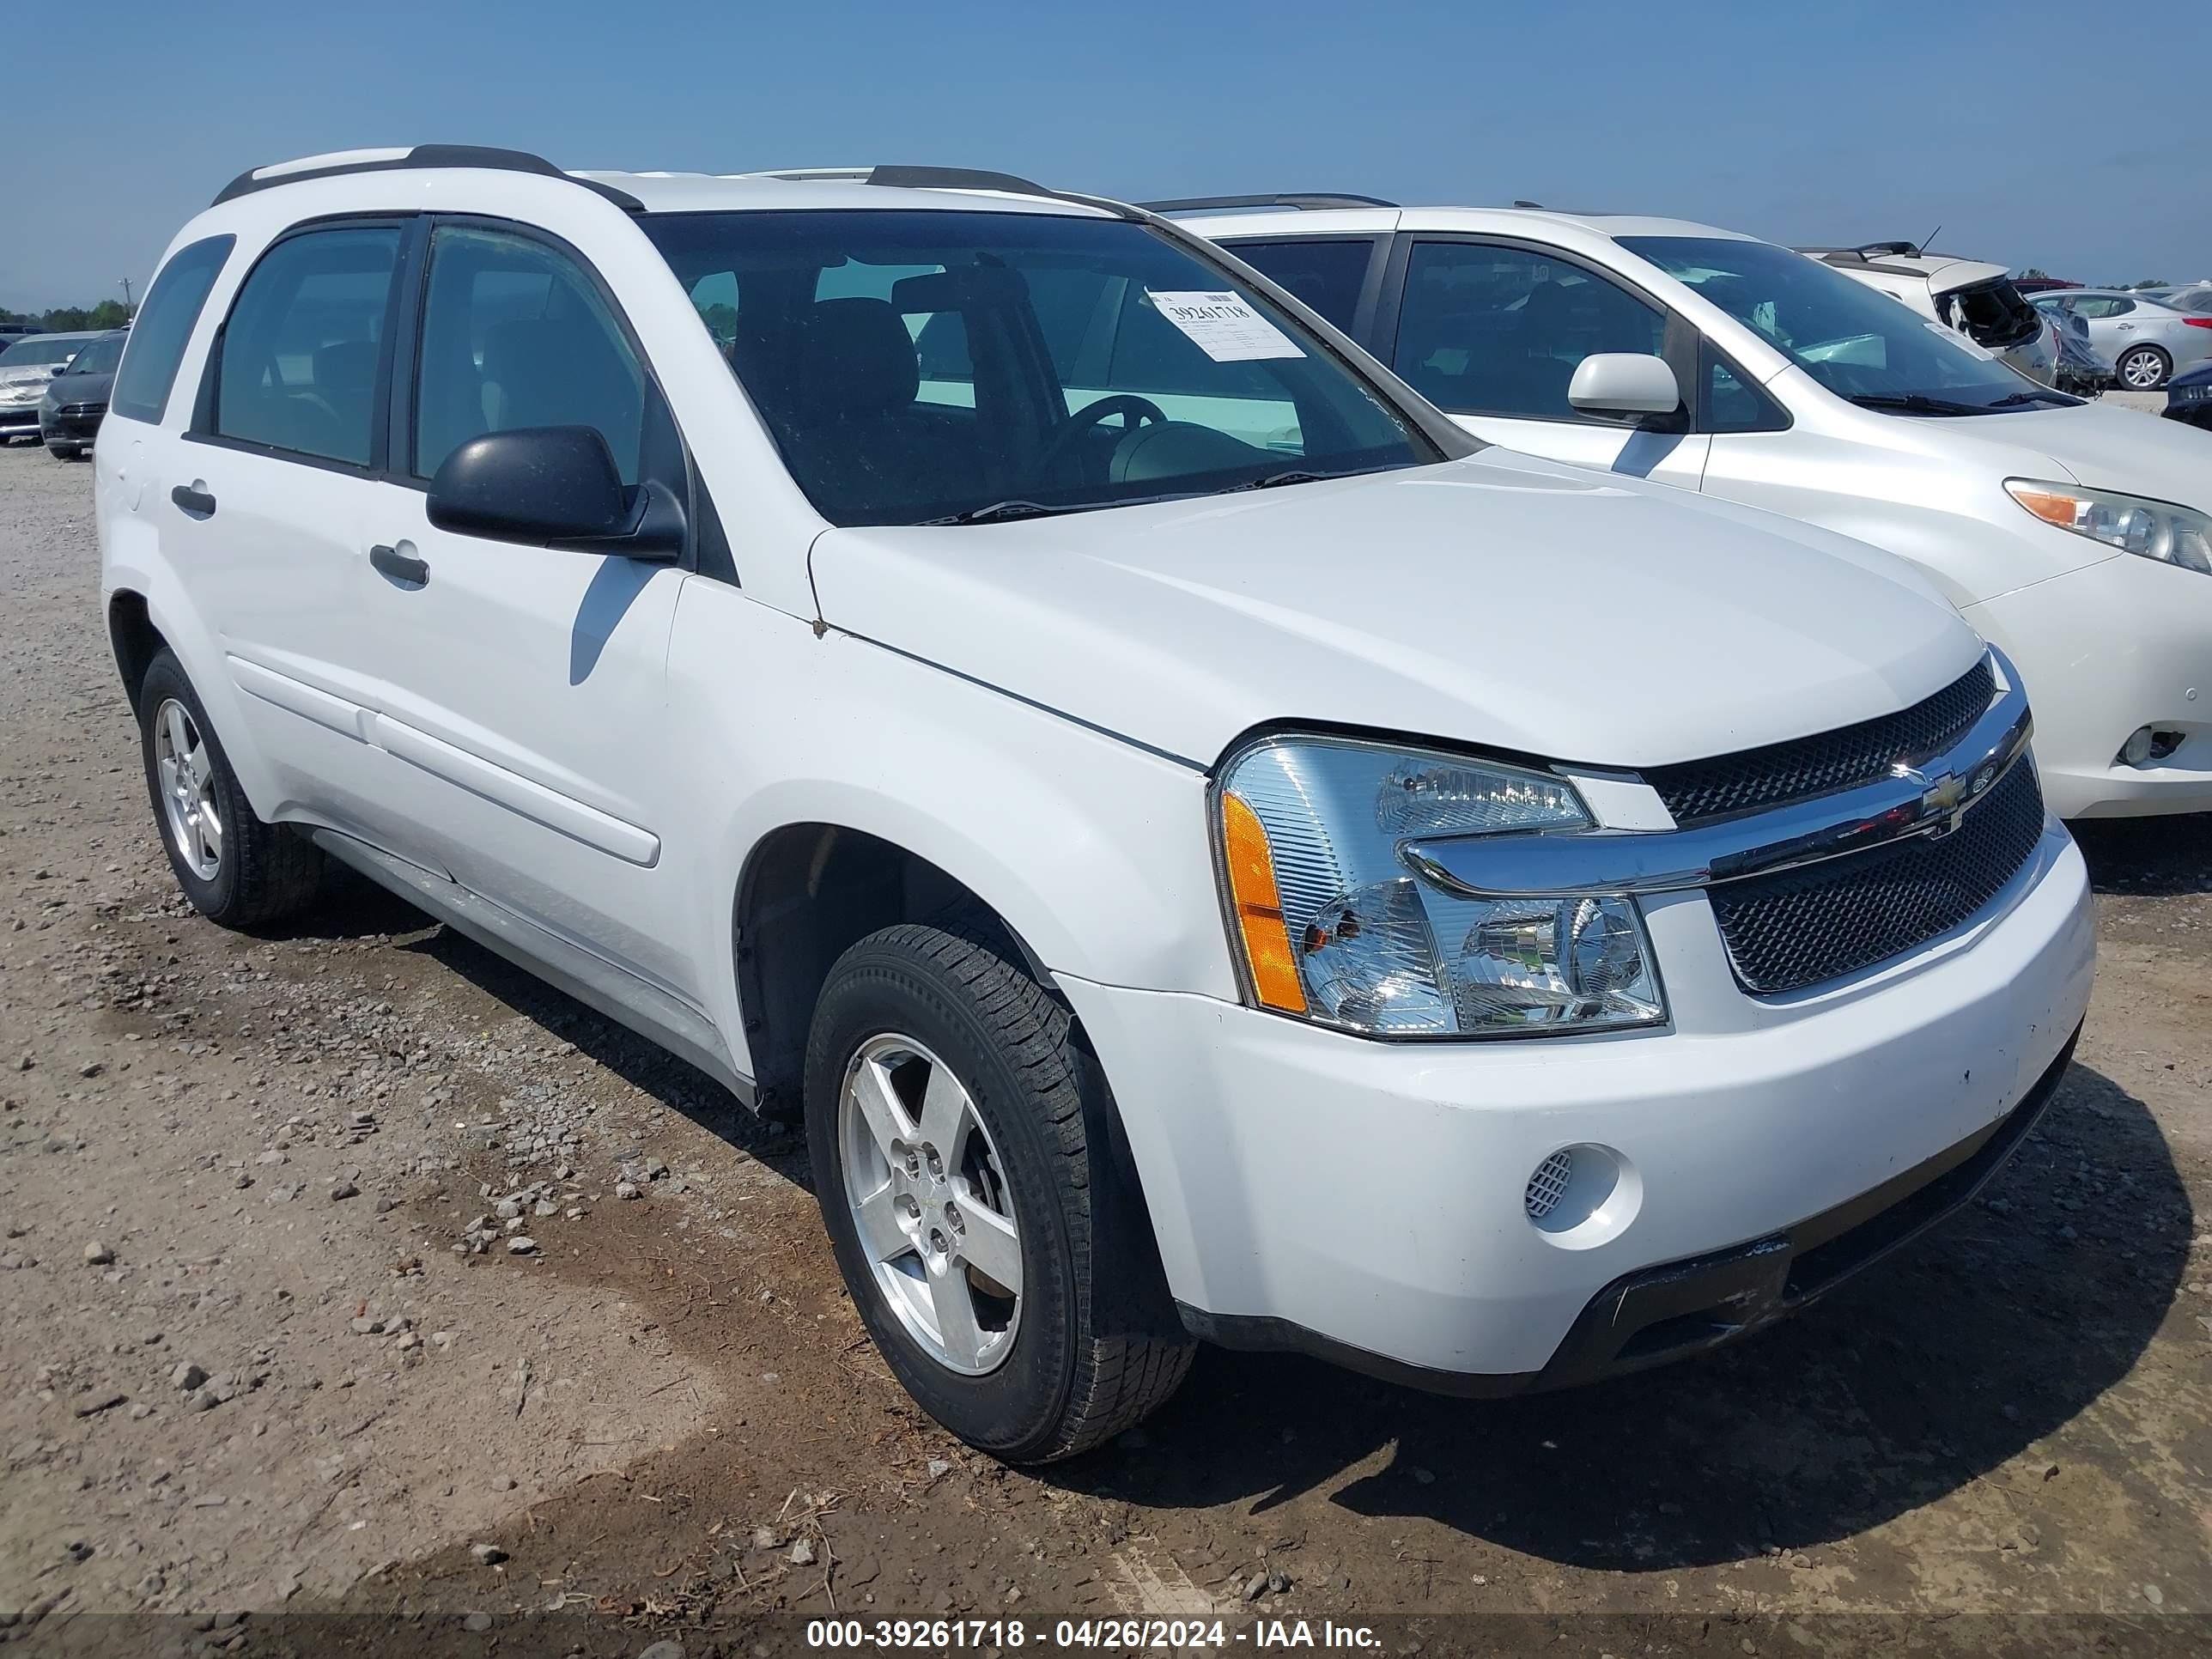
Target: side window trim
{"x": 205, "y": 409}
{"x": 708, "y": 551}
{"x": 1679, "y": 345}
{"x": 1371, "y": 282}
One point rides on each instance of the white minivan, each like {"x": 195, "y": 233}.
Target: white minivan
{"x": 2077, "y": 536}
{"x": 1211, "y": 849}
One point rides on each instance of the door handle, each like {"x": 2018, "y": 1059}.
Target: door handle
{"x": 397, "y": 566}
{"x": 193, "y": 500}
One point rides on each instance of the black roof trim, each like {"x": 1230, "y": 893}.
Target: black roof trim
{"x": 432, "y": 156}
{"x": 895, "y": 176}
{"x": 1305, "y": 200}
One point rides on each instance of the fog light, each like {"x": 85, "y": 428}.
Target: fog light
{"x": 2148, "y": 744}
{"x": 1583, "y": 1195}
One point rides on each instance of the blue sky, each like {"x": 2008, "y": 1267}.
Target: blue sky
{"x": 2033, "y": 133}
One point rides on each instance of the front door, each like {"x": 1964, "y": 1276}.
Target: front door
{"x": 1492, "y": 333}
{"x": 526, "y": 687}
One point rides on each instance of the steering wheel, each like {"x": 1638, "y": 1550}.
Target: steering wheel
{"x": 1135, "y": 411}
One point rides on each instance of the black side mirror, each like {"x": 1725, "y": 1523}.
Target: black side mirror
{"x": 555, "y": 487}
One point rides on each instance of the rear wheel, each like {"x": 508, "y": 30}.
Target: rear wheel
{"x": 945, "y": 1115}
{"x": 236, "y": 869}
{"x": 2143, "y": 368}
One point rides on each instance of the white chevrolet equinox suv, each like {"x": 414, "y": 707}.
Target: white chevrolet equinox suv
{"x": 1211, "y": 849}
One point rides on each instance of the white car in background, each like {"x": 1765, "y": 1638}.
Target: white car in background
{"x": 2147, "y": 341}
{"x": 1976, "y": 298}
{"x": 2077, "y": 536}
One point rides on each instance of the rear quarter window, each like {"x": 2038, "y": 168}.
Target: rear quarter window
{"x": 163, "y": 327}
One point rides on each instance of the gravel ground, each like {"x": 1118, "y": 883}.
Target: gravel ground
{"x": 275, "y": 1347}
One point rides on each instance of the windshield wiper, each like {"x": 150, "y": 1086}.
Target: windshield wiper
{"x": 1296, "y": 476}
{"x": 2040, "y": 394}
{"x": 1000, "y": 512}
{"x": 1916, "y": 402}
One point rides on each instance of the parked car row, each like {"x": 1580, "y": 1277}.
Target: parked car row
{"x": 1217, "y": 839}
{"x": 54, "y": 388}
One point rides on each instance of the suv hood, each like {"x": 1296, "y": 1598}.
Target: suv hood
{"x": 28, "y": 374}
{"x": 1498, "y": 600}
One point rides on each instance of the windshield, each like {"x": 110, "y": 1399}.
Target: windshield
{"x": 42, "y": 349}
{"x": 100, "y": 357}
{"x": 1857, "y": 342}
{"x": 930, "y": 367}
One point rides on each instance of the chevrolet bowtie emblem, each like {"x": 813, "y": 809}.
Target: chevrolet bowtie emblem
{"x": 1943, "y": 797}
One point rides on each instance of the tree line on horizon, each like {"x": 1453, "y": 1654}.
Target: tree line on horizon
{"x": 72, "y": 319}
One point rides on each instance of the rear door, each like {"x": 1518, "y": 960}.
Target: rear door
{"x": 1492, "y": 331}
{"x": 268, "y": 495}
{"x": 523, "y": 687}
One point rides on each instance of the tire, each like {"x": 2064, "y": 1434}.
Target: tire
{"x": 908, "y": 1003}
{"x": 64, "y": 452}
{"x": 2161, "y": 365}
{"x": 259, "y": 872}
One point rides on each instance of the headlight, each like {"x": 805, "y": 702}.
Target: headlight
{"x": 1332, "y": 924}
{"x": 2157, "y": 530}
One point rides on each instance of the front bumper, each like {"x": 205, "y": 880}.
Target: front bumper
{"x": 73, "y": 423}
{"x": 1366, "y": 1200}
{"x": 15, "y": 419}
{"x": 2123, "y": 643}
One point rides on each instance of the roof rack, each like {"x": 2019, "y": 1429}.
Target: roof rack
{"x": 895, "y": 176}
{"x": 1305, "y": 201}
{"x": 339, "y": 163}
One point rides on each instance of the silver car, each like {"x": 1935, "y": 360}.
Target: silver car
{"x": 2145, "y": 340}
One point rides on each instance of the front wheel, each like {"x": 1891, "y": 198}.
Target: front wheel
{"x": 64, "y": 451}
{"x": 945, "y": 1116}
{"x": 236, "y": 869}
{"x": 2144, "y": 369}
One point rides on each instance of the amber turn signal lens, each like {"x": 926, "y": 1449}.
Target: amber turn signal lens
{"x": 2061, "y": 510}
{"x": 1258, "y": 909}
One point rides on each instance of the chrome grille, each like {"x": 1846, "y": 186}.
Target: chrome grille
{"x": 1802, "y": 927}
{"x": 1754, "y": 778}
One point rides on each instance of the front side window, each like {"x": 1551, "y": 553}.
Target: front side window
{"x": 916, "y": 367}
{"x": 296, "y": 369}
{"x": 514, "y": 335}
{"x": 1328, "y": 275}
{"x": 1500, "y": 330}
{"x": 163, "y": 327}
{"x": 1859, "y": 344}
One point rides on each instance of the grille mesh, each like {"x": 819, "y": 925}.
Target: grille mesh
{"x": 1549, "y": 1184}
{"x": 1797, "y": 928}
{"x": 1753, "y": 779}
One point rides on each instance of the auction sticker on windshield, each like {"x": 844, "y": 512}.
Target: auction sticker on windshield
{"x": 1222, "y": 325}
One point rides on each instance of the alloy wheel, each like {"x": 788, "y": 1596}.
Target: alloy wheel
{"x": 189, "y": 802}
{"x": 2142, "y": 370}
{"x": 929, "y": 1202}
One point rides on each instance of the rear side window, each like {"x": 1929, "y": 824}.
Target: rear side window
{"x": 164, "y": 325}
{"x": 514, "y": 335}
{"x": 296, "y": 370}
{"x": 1326, "y": 275}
